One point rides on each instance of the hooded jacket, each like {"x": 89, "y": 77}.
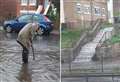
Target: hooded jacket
{"x": 27, "y": 34}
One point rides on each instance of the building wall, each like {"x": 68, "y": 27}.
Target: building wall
{"x": 32, "y": 8}
{"x": 8, "y": 8}
{"x": 25, "y": 6}
{"x": 77, "y": 11}
{"x": 15, "y": 7}
{"x": 116, "y": 7}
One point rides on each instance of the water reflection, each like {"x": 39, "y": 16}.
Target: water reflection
{"x": 24, "y": 75}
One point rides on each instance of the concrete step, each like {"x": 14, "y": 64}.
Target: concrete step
{"x": 88, "y": 50}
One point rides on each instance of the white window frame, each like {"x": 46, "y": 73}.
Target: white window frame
{"x": 24, "y": 2}
{"x": 103, "y": 12}
{"x": 86, "y": 9}
{"x": 78, "y": 8}
{"x": 32, "y": 2}
{"x": 96, "y": 7}
{"x": 25, "y": 11}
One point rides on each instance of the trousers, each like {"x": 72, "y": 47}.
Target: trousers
{"x": 25, "y": 53}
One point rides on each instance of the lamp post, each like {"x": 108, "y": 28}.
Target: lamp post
{"x": 91, "y": 9}
{"x": 28, "y": 6}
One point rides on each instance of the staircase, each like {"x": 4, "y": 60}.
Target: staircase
{"x": 88, "y": 50}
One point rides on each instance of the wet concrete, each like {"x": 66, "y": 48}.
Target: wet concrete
{"x": 45, "y": 67}
{"x": 91, "y": 79}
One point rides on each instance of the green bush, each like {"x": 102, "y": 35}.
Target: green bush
{"x": 53, "y": 16}
{"x": 114, "y": 39}
{"x": 70, "y": 37}
{"x": 106, "y": 25}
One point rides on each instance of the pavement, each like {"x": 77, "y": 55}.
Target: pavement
{"x": 55, "y": 32}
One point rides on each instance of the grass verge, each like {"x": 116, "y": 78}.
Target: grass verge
{"x": 114, "y": 39}
{"x": 106, "y": 25}
{"x": 70, "y": 37}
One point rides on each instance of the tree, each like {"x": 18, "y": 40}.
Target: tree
{"x": 56, "y": 4}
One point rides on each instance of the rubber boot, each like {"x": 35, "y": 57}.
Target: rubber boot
{"x": 25, "y": 56}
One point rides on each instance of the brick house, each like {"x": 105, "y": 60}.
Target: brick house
{"x": 13, "y": 8}
{"x": 8, "y": 8}
{"x": 30, "y": 6}
{"x": 116, "y": 7}
{"x": 27, "y": 6}
{"x": 76, "y": 11}
{"x": 17, "y": 7}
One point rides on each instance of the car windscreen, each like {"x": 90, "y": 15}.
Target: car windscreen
{"x": 38, "y": 18}
{"x": 25, "y": 18}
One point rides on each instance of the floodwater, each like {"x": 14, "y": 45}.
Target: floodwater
{"x": 45, "y": 67}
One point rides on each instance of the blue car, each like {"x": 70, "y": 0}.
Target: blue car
{"x": 17, "y": 24}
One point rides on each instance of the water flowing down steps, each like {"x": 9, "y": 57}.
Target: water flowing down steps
{"x": 88, "y": 50}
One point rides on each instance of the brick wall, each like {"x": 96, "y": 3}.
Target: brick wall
{"x": 72, "y": 16}
{"x": 28, "y": 7}
{"x": 8, "y": 8}
{"x": 116, "y": 7}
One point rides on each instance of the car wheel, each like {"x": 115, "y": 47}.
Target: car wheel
{"x": 8, "y": 29}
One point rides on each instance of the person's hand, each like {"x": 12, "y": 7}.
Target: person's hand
{"x": 39, "y": 31}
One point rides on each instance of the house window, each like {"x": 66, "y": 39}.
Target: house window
{"x": 79, "y": 8}
{"x": 24, "y": 2}
{"x": 103, "y": 11}
{"x": 32, "y": 2}
{"x": 97, "y": 11}
{"x": 86, "y": 9}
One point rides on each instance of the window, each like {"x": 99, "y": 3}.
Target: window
{"x": 36, "y": 18}
{"x": 24, "y": 2}
{"x": 86, "y": 9}
{"x": 103, "y": 11}
{"x": 32, "y": 2}
{"x": 97, "y": 11}
{"x": 25, "y": 18}
{"x": 79, "y": 8}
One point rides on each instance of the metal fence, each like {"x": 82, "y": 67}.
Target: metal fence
{"x": 104, "y": 62}
{"x": 103, "y": 53}
{"x": 91, "y": 78}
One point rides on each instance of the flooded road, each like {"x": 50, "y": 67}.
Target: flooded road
{"x": 45, "y": 67}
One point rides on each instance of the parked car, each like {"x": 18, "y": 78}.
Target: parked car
{"x": 17, "y": 24}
